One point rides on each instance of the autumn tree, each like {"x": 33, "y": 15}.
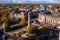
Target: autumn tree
{"x": 23, "y": 21}
{"x": 32, "y": 29}
{"x": 6, "y": 12}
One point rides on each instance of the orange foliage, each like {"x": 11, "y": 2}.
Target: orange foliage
{"x": 31, "y": 28}
{"x": 1, "y": 11}
{"x": 6, "y": 12}
{"x": 23, "y": 21}
{"x": 47, "y": 25}
{"x": 3, "y": 19}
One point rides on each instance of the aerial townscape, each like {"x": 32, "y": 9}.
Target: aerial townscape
{"x": 29, "y": 22}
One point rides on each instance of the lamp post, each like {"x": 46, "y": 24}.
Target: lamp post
{"x": 59, "y": 32}
{"x": 4, "y": 31}
{"x": 29, "y": 19}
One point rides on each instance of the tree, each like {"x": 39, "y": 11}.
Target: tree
{"x": 3, "y": 19}
{"x": 32, "y": 29}
{"x": 23, "y": 21}
{"x": 6, "y": 12}
{"x": 1, "y": 11}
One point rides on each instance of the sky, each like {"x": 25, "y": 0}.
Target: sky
{"x": 29, "y": 1}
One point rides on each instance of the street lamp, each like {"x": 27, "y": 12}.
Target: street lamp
{"x": 59, "y": 32}
{"x": 29, "y": 20}
{"x": 4, "y": 31}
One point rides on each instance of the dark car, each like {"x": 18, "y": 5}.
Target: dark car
{"x": 1, "y": 38}
{"x": 1, "y": 32}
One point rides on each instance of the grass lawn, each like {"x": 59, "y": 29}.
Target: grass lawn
{"x": 16, "y": 28}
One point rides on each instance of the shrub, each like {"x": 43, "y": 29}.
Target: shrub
{"x": 32, "y": 29}
{"x": 23, "y": 21}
